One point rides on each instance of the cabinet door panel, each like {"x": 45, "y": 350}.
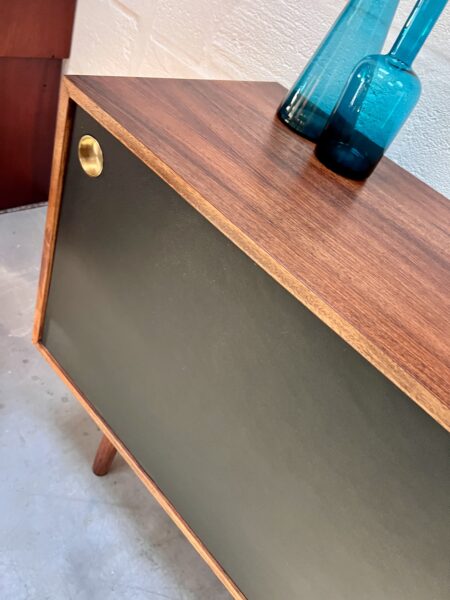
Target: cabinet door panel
{"x": 304, "y": 471}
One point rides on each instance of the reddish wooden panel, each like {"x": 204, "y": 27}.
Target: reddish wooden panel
{"x": 28, "y": 103}
{"x": 36, "y": 28}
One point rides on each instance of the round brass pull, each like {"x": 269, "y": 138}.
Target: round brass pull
{"x": 90, "y": 156}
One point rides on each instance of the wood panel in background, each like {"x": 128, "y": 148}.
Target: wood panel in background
{"x": 35, "y": 36}
{"x": 36, "y": 28}
{"x": 28, "y": 104}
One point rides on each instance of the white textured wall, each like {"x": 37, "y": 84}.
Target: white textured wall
{"x": 256, "y": 39}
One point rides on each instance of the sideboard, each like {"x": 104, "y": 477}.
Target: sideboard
{"x": 265, "y": 343}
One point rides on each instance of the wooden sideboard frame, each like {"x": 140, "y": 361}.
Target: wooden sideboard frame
{"x": 60, "y": 154}
{"x": 71, "y": 95}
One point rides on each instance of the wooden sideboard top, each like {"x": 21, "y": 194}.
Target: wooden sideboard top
{"x": 372, "y": 260}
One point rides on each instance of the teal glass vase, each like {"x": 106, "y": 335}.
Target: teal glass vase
{"x": 379, "y": 97}
{"x": 360, "y": 29}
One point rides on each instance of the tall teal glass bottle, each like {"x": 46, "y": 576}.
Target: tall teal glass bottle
{"x": 379, "y": 97}
{"x": 360, "y": 29}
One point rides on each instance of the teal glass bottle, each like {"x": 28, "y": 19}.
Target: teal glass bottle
{"x": 378, "y": 98}
{"x": 360, "y": 29}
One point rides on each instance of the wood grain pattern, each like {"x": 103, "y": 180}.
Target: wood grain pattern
{"x": 61, "y": 144}
{"x": 369, "y": 259}
{"x": 36, "y": 28}
{"x": 104, "y": 457}
{"x": 146, "y": 480}
{"x": 28, "y": 104}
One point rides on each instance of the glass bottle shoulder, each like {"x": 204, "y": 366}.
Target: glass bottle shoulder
{"x": 377, "y": 69}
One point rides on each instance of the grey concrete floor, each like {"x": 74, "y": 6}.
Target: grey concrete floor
{"x": 64, "y": 533}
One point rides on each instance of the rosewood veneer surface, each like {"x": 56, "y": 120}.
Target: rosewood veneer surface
{"x": 370, "y": 259}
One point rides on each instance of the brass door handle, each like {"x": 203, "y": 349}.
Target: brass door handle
{"x": 90, "y": 156}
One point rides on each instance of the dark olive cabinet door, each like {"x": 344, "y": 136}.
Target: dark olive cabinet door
{"x": 304, "y": 471}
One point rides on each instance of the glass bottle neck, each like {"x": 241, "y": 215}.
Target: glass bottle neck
{"x": 416, "y": 29}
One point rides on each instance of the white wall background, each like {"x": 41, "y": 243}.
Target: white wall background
{"x": 262, "y": 40}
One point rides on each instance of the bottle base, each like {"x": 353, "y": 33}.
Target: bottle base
{"x": 347, "y": 160}
{"x": 309, "y": 122}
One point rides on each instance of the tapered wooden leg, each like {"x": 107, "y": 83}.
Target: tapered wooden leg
{"x": 104, "y": 457}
